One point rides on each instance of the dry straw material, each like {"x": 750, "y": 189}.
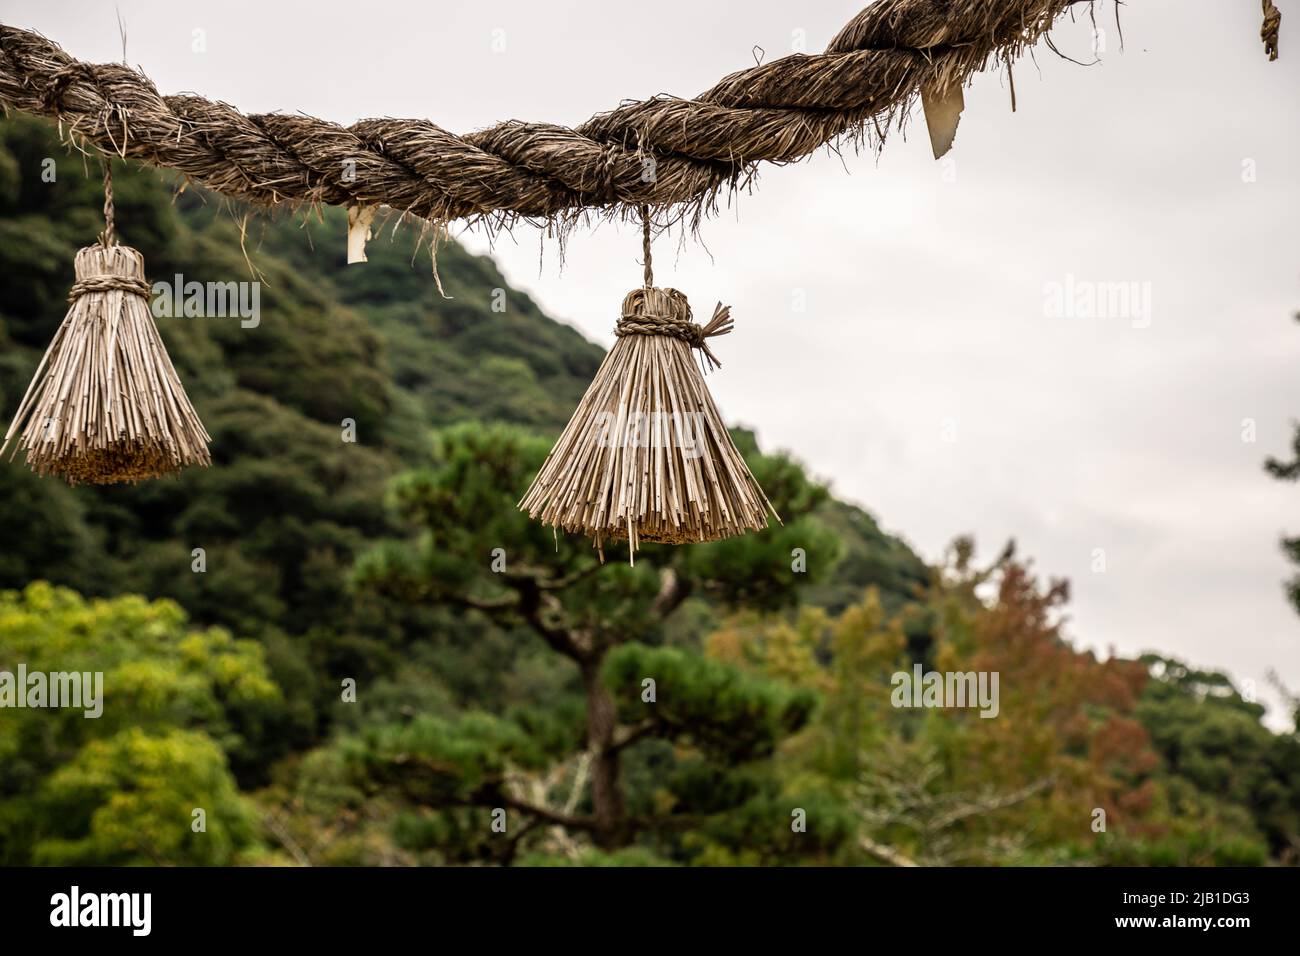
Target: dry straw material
{"x": 106, "y": 404}
{"x": 647, "y": 456}
{"x": 673, "y": 153}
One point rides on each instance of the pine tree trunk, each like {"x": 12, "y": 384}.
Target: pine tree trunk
{"x": 606, "y": 788}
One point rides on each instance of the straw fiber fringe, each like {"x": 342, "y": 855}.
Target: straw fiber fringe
{"x": 105, "y": 404}
{"x": 646, "y": 456}
{"x": 868, "y": 78}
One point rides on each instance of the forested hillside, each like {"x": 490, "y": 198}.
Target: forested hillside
{"x": 346, "y": 679}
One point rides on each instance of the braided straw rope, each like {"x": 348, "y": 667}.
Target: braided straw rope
{"x": 668, "y": 153}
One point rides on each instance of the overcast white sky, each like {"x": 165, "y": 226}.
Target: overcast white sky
{"x": 924, "y": 282}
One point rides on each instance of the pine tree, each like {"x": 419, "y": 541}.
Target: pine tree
{"x": 701, "y": 721}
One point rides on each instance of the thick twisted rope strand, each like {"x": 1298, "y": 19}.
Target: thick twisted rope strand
{"x": 666, "y": 153}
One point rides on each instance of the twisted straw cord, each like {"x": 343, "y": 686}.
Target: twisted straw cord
{"x": 108, "y": 237}
{"x": 649, "y": 273}
{"x": 777, "y": 112}
{"x": 107, "y": 283}
{"x": 651, "y": 311}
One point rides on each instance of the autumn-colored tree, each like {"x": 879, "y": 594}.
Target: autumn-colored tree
{"x": 1064, "y": 716}
{"x": 1065, "y": 769}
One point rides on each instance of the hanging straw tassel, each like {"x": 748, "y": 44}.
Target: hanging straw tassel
{"x": 646, "y": 456}
{"x": 106, "y": 404}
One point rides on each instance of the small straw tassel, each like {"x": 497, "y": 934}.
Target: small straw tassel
{"x": 106, "y": 404}
{"x": 646, "y": 455}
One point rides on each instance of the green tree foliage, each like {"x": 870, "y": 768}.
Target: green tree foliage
{"x": 132, "y": 799}
{"x": 719, "y": 709}
{"x": 1216, "y": 750}
{"x": 176, "y": 706}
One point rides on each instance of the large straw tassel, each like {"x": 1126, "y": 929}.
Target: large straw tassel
{"x": 646, "y": 455}
{"x": 106, "y": 404}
